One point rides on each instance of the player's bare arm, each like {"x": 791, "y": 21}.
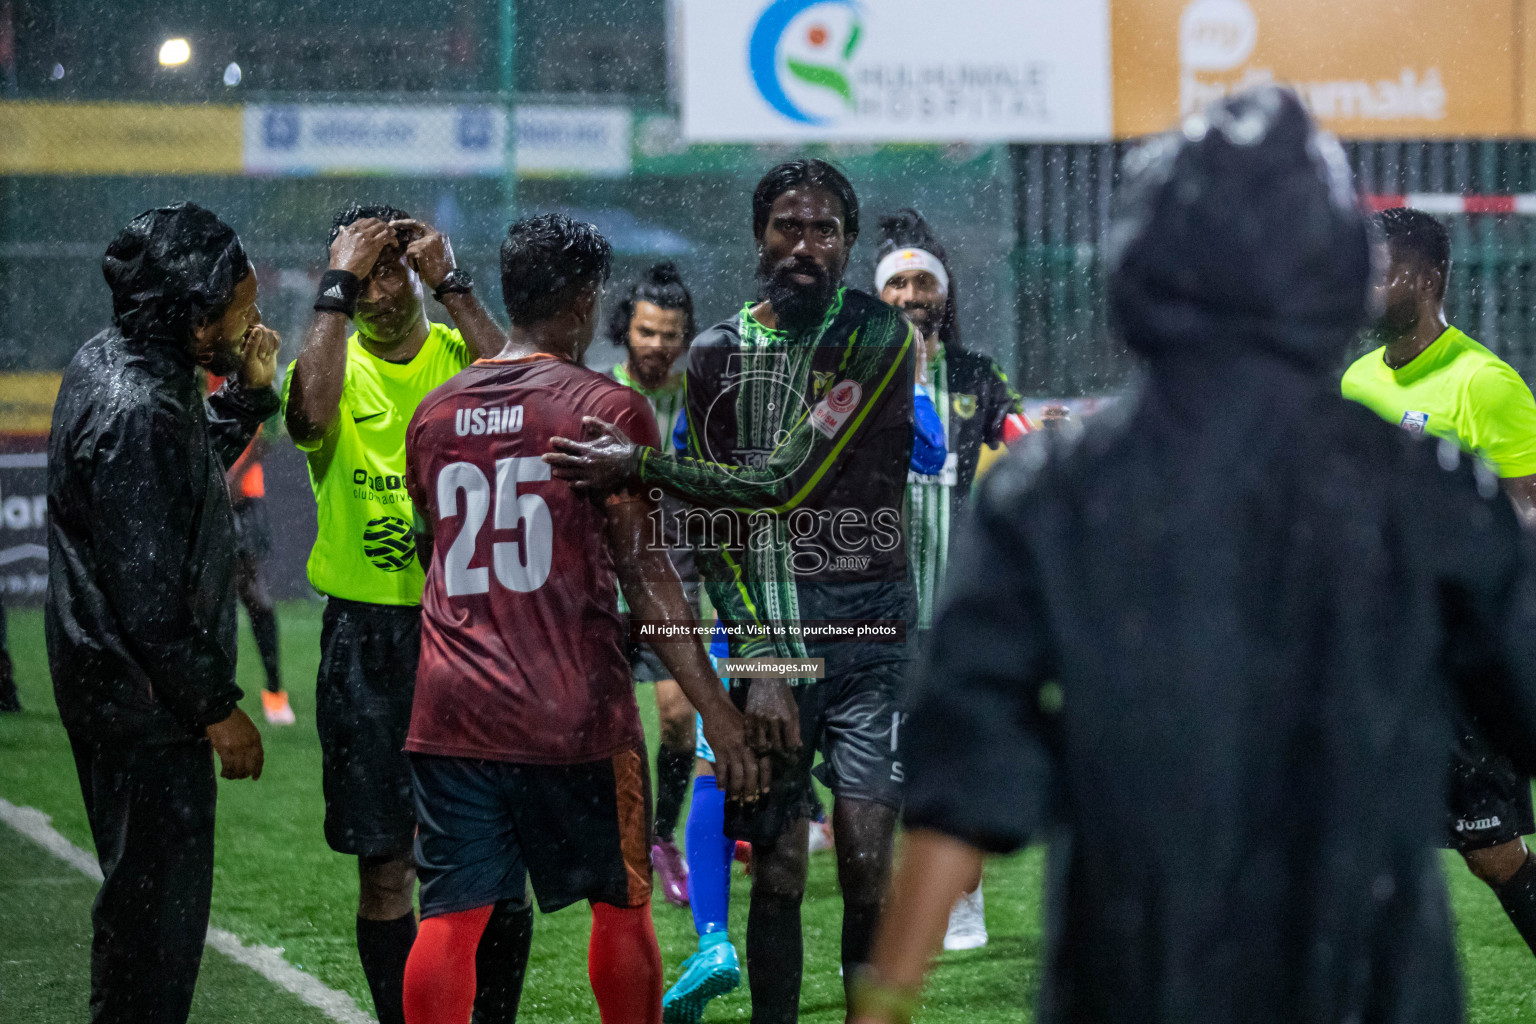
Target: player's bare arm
{"x": 655, "y": 594}
{"x": 934, "y": 870}
{"x": 605, "y": 462}
{"x": 1522, "y": 491}
{"x": 314, "y": 396}
{"x": 431, "y": 255}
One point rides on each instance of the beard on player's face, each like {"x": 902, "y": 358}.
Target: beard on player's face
{"x": 1399, "y": 318}
{"x": 925, "y": 316}
{"x": 798, "y": 305}
{"x": 223, "y": 361}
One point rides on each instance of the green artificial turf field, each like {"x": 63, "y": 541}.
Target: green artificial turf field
{"x": 277, "y": 884}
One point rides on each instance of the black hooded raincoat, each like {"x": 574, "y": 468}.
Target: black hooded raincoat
{"x": 140, "y": 615}
{"x": 1210, "y": 650}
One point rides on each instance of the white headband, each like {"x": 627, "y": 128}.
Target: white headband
{"x": 903, "y": 260}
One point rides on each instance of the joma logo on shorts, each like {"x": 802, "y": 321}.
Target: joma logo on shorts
{"x": 506, "y": 420}
{"x": 1478, "y": 825}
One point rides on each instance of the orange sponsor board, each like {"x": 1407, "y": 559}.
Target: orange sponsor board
{"x": 1371, "y": 69}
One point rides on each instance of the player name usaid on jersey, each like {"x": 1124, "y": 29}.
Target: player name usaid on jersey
{"x": 832, "y": 412}
{"x": 498, "y": 420}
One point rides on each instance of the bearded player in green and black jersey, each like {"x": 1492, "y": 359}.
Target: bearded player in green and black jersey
{"x": 972, "y": 397}
{"x": 653, "y": 324}
{"x": 800, "y": 421}
{"x": 369, "y": 358}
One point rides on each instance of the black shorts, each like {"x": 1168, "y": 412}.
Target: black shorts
{"x": 253, "y": 528}
{"x": 645, "y": 665}
{"x": 368, "y": 655}
{"x": 854, "y": 720}
{"x": 1490, "y": 801}
{"x": 579, "y": 831}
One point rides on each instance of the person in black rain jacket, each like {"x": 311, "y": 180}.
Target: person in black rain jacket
{"x": 1210, "y": 649}
{"x": 140, "y": 613}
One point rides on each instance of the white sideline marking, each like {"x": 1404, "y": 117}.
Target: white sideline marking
{"x": 264, "y": 960}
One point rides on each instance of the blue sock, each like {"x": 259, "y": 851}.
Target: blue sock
{"x": 709, "y": 852}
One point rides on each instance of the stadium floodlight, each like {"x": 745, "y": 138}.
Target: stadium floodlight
{"x": 232, "y": 75}
{"x": 175, "y": 52}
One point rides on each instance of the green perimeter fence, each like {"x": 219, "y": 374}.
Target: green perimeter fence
{"x": 1025, "y": 226}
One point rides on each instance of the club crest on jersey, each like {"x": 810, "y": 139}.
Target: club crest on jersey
{"x": 832, "y": 412}
{"x": 1415, "y": 422}
{"x": 822, "y": 380}
{"x": 503, "y": 420}
{"x": 965, "y": 406}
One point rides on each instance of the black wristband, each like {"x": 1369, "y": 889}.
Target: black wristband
{"x": 339, "y": 290}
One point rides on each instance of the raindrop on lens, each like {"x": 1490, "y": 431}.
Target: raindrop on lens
{"x": 57, "y": 73}
{"x": 232, "y": 75}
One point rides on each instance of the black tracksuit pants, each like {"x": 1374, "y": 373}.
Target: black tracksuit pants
{"x": 151, "y": 810}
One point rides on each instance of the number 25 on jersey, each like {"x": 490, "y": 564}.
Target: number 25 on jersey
{"x": 521, "y": 564}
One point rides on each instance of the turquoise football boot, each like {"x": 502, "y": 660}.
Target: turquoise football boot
{"x": 712, "y": 971}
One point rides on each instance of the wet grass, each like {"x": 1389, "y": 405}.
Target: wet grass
{"x": 277, "y": 883}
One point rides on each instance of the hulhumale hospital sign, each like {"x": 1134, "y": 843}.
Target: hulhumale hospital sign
{"x": 909, "y": 70}
{"x": 1092, "y": 70}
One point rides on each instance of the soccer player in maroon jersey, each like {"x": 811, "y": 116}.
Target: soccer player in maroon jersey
{"x": 527, "y": 755}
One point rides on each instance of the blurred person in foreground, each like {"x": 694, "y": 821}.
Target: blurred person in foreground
{"x": 969, "y": 399}
{"x": 1431, "y": 379}
{"x": 1209, "y": 648}
{"x": 370, "y": 357}
{"x": 800, "y": 428}
{"x": 140, "y": 615}
{"x": 526, "y": 750}
{"x": 653, "y": 323}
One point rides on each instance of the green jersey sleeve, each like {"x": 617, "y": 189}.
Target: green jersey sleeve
{"x": 733, "y": 602}
{"x": 1001, "y": 402}
{"x": 797, "y": 468}
{"x": 1503, "y": 419}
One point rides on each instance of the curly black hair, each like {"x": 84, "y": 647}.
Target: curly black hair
{"x": 1417, "y": 232}
{"x": 548, "y": 259}
{"x": 355, "y": 211}
{"x": 798, "y": 173}
{"x": 662, "y": 286}
{"x": 906, "y": 229}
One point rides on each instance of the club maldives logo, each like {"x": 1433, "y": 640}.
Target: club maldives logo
{"x": 800, "y": 55}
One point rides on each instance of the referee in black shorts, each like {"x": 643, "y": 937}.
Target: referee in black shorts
{"x": 370, "y": 356}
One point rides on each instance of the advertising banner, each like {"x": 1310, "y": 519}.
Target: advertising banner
{"x": 437, "y": 140}
{"x": 23, "y": 520}
{"x": 574, "y": 141}
{"x": 26, "y": 409}
{"x": 403, "y": 140}
{"x": 118, "y": 138}
{"x": 895, "y": 70}
{"x": 1375, "y": 69}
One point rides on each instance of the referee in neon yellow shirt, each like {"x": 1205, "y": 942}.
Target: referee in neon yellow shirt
{"x": 347, "y": 400}
{"x": 1430, "y": 378}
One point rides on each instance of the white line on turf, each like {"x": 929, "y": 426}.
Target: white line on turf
{"x": 264, "y": 960}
